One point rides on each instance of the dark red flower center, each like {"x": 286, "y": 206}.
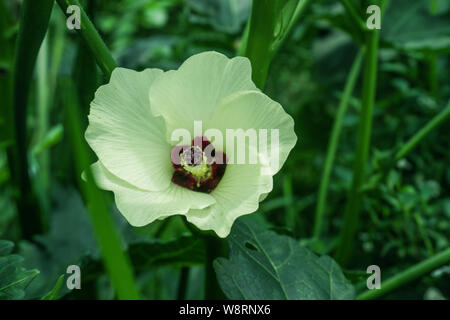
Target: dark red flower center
{"x": 198, "y": 167}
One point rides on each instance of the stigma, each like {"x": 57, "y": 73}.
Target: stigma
{"x": 198, "y": 167}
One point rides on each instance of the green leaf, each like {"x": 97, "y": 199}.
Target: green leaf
{"x": 410, "y": 25}
{"x": 264, "y": 265}
{"x": 54, "y": 293}
{"x": 13, "y": 277}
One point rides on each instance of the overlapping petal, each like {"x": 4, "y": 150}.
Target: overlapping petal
{"x": 255, "y": 111}
{"x": 142, "y": 207}
{"x": 127, "y": 138}
{"x": 195, "y": 90}
{"x": 237, "y": 194}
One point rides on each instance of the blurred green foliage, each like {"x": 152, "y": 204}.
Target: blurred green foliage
{"x": 406, "y": 209}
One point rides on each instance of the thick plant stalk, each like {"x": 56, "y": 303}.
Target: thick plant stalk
{"x": 43, "y": 104}
{"x": 259, "y": 42}
{"x": 215, "y": 247}
{"x": 353, "y": 206}
{"x": 86, "y": 78}
{"x": 116, "y": 261}
{"x": 299, "y": 10}
{"x": 333, "y": 144}
{"x": 6, "y": 56}
{"x": 92, "y": 39}
{"x": 260, "y": 38}
{"x": 33, "y": 26}
{"x": 407, "y": 276}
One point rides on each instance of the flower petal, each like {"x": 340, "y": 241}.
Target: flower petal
{"x": 142, "y": 207}
{"x": 254, "y": 110}
{"x": 194, "y": 91}
{"x": 127, "y": 138}
{"x": 237, "y": 194}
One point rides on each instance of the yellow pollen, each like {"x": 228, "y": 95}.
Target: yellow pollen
{"x": 200, "y": 172}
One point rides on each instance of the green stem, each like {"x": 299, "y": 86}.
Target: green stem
{"x": 408, "y": 275}
{"x": 48, "y": 63}
{"x": 33, "y": 26}
{"x": 161, "y": 228}
{"x": 434, "y": 6}
{"x": 261, "y": 34}
{"x": 439, "y": 119}
{"x": 290, "y": 210}
{"x": 351, "y": 215}
{"x": 92, "y": 38}
{"x": 354, "y": 14}
{"x": 259, "y": 41}
{"x": 85, "y": 71}
{"x": 43, "y": 98}
{"x": 433, "y": 75}
{"x": 6, "y": 61}
{"x": 299, "y": 10}
{"x": 333, "y": 145}
{"x": 58, "y": 46}
{"x": 43, "y": 101}
{"x": 243, "y": 45}
{"x": 182, "y": 283}
{"x": 423, "y": 233}
{"x": 115, "y": 259}
{"x": 215, "y": 247}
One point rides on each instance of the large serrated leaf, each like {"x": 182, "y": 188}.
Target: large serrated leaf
{"x": 13, "y": 277}
{"x": 264, "y": 265}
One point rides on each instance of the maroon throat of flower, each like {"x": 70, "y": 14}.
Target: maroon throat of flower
{"x": 198, "y": 167}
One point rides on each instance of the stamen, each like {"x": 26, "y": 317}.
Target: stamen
{"x": 192, "y": 156}
{"x": 196, "y": 167}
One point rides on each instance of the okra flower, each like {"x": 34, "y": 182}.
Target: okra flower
{"x": 132, "y": 124}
